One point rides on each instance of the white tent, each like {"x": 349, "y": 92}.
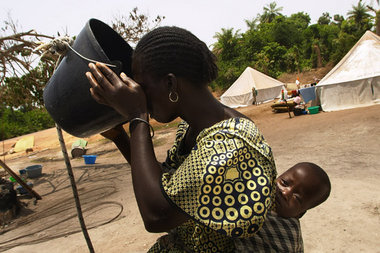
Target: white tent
{"x": 240, "y": 92}
{"x": 355, "y": 80}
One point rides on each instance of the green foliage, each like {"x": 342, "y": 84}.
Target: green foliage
{"x": 134, "y": 25}
{"x": 228, "y": 73}
{"x": 26, "y": 91}
{"x": 359, "y": 14}
{"x": 276, "y": 44}
{"x": 325, "y": 19}
{"x": 17, "y": 122}
{"x": 344, "y": 43}
{"x": 271, "y": 11}
{"x": 227, "y": 46}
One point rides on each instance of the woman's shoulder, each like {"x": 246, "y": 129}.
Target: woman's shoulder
{"x": 239, "y": 129}
{"x": 232, "y": 128}
{"x": 232, "y": 113}
{"x": 240, "y": 126}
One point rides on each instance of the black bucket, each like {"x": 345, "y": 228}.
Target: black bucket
{"x": 67, "y": 95}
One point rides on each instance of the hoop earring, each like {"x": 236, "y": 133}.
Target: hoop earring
{"x": 173, "y": 100}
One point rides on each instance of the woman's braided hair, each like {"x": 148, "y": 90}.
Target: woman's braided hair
{"x": 175, "y": 50}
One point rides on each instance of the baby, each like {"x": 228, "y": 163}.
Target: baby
{"x": 302, "y": 187}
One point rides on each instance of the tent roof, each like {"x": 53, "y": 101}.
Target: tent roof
{"x": 359, "y": 63}
{"x": 251, "y": 78}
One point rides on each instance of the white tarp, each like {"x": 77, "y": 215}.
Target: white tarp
{"x": 355, "y": 80}
{"x": 240, "y": 92}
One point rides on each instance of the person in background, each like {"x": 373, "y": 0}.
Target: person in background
{"x": 298, "y": 83}
{"x": 254, "y": 95}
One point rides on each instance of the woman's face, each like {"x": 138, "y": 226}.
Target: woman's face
{"x": 157, "y": 94}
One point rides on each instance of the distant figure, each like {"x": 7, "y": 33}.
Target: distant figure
{"x": 254, "y": 95}
{"x": 298, "y": 83}
{"x": 297, "y": 100}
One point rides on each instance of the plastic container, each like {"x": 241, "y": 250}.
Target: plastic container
{"x": 34, "y": 171}
{"x": 23, "y": 175}
{"x": 313, "y": 109}
{"x": 297, "y": 111}
{"x": 67, "y": 95}
{"x": 21, "y": 190}
{"x": 89, "y": 159}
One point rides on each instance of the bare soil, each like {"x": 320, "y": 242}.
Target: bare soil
{"x": 344, "y": 143}
{"x": 306, "y": 77}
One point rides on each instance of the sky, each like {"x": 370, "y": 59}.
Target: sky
{"x": 204, "y": 18}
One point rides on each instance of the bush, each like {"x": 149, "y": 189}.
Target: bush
{"x": 16, "y": 122}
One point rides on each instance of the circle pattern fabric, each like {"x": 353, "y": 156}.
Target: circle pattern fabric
{"x": 226, "y": 183}
{"x": 235, "y": 189}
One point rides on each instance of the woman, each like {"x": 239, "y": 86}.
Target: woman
{"x": 218, "y": 179}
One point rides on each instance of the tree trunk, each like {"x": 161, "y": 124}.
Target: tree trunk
{"x": 319, "y": 57}
{"x": 378, "y": 22}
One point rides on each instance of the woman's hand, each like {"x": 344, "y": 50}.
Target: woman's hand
{"x": 123, "y": 94}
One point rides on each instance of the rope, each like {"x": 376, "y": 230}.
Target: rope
{"x": 88, "y": 59}
{"x": 61, "y": 45}
{"x": 74, "y": 188}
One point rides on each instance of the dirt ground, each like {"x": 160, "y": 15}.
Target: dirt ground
{"x": 344, "y": 143}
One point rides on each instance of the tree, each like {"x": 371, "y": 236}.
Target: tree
{"x": 270, "y": 12}
{"x": 377, "y": 17}
{"x": 17, "y": 57}
{"x": 271, "y": 59}
{"x": 253, "y": 23}
{"x": 286, "y": 31}
{"x": 252, "y": 41}
{"x": 26, "y": 92}
{"x": 301, "y": 20}
{"x": 227, "y": 50}
{"x": 359, "y": 14}
{"x": 338, "y": 19}
{"x": 226, "y": 46}
{"x": 135, "y": 25}
{"x": 325, "y": 19}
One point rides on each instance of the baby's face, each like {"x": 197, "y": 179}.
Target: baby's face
{"x": 297, "y": 191}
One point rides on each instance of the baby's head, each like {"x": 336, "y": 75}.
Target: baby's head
{"x": 300, "y": 188}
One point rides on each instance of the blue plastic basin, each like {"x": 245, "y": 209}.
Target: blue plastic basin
{"x": 89, "y": 159}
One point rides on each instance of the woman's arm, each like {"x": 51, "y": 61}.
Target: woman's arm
{"x": 158, "y": 214}
{"x": 121, "y": 139}
{"x": 128, "y": 98}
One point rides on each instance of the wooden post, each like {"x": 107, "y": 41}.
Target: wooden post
{"x": 19, "y": 180}
{"x": 287, "y": 105}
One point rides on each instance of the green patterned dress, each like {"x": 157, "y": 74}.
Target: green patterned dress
{"x": 225, "y": 185}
